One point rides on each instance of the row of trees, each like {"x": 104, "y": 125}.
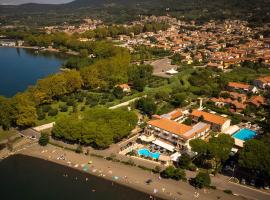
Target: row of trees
{"x": 98, "y": 127}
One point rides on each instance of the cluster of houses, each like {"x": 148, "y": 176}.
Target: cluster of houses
{"x": 214, "y": 44}
{"x": 10, "y": 43}
{"x": 237, "y": 97}
{"x": 86, "y": 25}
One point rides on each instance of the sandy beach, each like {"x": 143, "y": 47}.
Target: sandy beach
{"x": 130, "y": 176}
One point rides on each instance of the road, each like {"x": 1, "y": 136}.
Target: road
{"x": 125, "y": 103}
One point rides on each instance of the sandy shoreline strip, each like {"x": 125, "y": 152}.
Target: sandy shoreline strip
{"x": 126, "y": 175}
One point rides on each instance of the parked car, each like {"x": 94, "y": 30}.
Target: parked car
{"x": 266, "y": 187}
{"x": 252, "y": 182}
{"x": 243, "y": 181}
{"x": 148, "y": 181}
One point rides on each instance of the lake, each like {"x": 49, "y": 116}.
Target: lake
{"x": 24, "y": 177}
{"x": 20, "y": 68}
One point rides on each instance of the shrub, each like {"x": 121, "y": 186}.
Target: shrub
{"x": 79, "y": 149}
{"x": 44, "y": 139}
{"x": 145, "y": 168}
{"x": 74, "y": 108}
{"x": 228, "y": 191}
{"x": 157, "y": 169}
{"x": 63, "y": 108}
{"x": 41, "y": 115}
{"x": 71, "y": 102}
{"x": 201, "y": 180}
{"x": 80, "y": 98}
{"x": 53, "y": 112}
{"x": 46, "y": 108}
{"x": 82, "y": 108}
{"x": 173, "y": 173}
{"x": 213, "y": 187}
{"x": 64, "y": 98}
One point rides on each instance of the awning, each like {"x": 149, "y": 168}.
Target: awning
{"x": 172, "y": 71}
{"x": 175, "y": 156}
{"x": 164, "y": 145}
{"x": 147, "y": 139}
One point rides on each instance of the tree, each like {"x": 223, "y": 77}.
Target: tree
{"x": 184, "y": 161}
{"x": 139, "y": 75}
{"x": 255, "y": 156}
{"x": 118, "y": 92}
{"x": 201, "y": 180}
{"x": 217, "y": 149}
{"x": 26, "y": 115}
{"x": 146, "y": 105}
{"x": 98, "y": 127}
{"x": 44, "y": 139}
{"x": 199, "y": 146}
{"x": 163, "y": 94}
{"x": 53, "y": 112}
{"x": 173, "y": 173}
{"x": 7, "y": 113}
{"x": 179, "y": 99}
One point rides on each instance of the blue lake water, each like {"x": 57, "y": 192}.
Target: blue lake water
{"x": 27, "y": 178}
{"x": 20, "y": 68}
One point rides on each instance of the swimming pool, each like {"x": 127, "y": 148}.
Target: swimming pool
{"x": 245, "y": 134}
{"x": 146, "y": 153}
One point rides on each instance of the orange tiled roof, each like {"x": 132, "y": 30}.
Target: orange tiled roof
{"x": 257, "y": 100}
{"x": 124, "y": 86}
{"x": 209, "y": 117}
{"x": 237, "y": 95}
{"x": 170, "y": 126}
{"x": 238, "y": 105}
{"x": 238, "y": 85}
{"x": 173, "y": 115}
{"x": 265, "y": 79}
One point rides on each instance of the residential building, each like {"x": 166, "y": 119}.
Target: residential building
{"x": 125, "y": 87}
{"x": 257, "y": 101}
{"x": 263, "y": 82}
{"x": 242, "y": 87}
{"x": 175, "y": 133}
{"x": 218, "y": 123}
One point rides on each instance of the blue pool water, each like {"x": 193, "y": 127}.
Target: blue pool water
{"x": 245, "y": 134}
{"x": 146, "y": 153}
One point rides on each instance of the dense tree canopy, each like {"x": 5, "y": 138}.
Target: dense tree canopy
{"x": 217, "y": 149}
{"x": 105, "y": 74}
{"x": 7, "y": 113}
{"x": 98, "y": 127}
{"x": 255, "y": 156}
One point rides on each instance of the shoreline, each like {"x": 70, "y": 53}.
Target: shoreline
{"x": 101, "y": 175}
{"x": 128, "y": 176}
{"x": 42, "y": 50}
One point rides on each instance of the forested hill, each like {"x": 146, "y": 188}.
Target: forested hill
{"x": 256, "y": 11}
